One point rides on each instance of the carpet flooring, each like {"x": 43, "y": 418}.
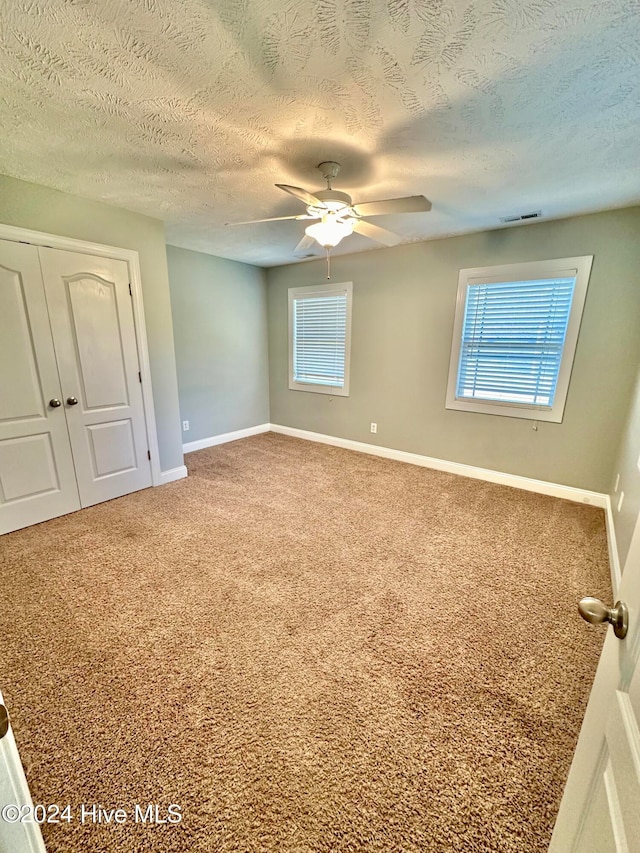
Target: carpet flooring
{"x": 305, "y": 649}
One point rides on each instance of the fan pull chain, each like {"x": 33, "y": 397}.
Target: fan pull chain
{"x": 328, "y": 264}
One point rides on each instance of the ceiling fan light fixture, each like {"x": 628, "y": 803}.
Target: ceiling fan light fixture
{"x": 330, "y": 230}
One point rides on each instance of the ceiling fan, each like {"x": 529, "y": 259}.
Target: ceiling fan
{"x": 338, "y": 216}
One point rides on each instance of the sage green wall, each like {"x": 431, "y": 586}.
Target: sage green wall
{"x": 42, "y": 209}
{"x": 403, "y": 309}
{"x": 626, "y": 465}
{"x": 220, "y": 329}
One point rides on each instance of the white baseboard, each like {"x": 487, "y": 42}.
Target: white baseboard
{"x": 555, "y": 490}
{"x": 224, "y": 437}
{"x": 614, "y": 557}
{"x": 173, "y": 474}
{"x": 528, "y": 484}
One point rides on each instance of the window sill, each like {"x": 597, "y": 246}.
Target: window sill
{"x": 508, "y": 410}
{"x": 332, "y": 390}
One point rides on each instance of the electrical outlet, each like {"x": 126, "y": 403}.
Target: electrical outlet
{"x": 185, "y": 426}
{"x": 374, "y": 427}
{"x": 620, "y": 501}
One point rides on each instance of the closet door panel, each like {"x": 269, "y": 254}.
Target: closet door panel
{"x": 94, "y": 337}
{"x": 112, "y": 447}
{"x": 37, "y": 478}
{"x": 93, "y": 310}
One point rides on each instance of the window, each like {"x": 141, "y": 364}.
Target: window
{"x": 320, "y": 338}
{"x": 515, "y": 334}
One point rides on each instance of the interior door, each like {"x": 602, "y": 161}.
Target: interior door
{"x": 37, "y": 479}
{"x": 16, "y": 836}
{"x": 93, "y": 329}
{"x": 600, "y": 809}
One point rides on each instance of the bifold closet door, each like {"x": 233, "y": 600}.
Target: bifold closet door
{"x": 37, "y": 478}
{"x": 91, "y": 319}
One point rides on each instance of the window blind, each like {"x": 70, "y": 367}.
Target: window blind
{"x": 512, "y": 340}
{"x": 319, "y": 339}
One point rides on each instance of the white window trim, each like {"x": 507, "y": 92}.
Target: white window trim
{"x": 323, "y": 290}
{"x": 562, "y": 267}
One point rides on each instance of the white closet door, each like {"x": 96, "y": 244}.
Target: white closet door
{"x": 94, "y": 338}
{"x": 37, "y": 480}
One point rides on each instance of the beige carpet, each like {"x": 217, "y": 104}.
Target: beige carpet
{"x": 306, "y": 649}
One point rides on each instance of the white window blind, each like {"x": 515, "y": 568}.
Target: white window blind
{"x": 515, "y": 334}
{"x": 319, "y": 336}
{"x": 513, "y": 338}
{"x": 319, "y": 324}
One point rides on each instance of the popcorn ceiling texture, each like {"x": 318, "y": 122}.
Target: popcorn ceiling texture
{"x": 190, "y": 111}
{"x": 308, "y": 649}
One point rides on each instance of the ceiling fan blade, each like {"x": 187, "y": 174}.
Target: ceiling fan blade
{"x": 303, "y": 195}
{"x": 374, "y": 232}
{"x": 409, "y": 204}
{"x": 271, "y": 219}
{"x": 304, "y": 244}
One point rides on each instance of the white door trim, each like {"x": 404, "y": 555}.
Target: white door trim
{"x": 70, "y": 244}
{"x": 614, "y": 557}
{"x": 15, "y": 791}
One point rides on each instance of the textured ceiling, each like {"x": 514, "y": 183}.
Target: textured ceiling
{"x": 191, "y": 111}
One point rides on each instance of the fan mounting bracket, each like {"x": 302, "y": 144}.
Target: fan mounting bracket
{"x": 328, "y": 169}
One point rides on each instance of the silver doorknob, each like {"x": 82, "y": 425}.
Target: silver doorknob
{"x": 54, "y": 403}
{"x": 72, "y": 401}
{"x": 596, "y": 611}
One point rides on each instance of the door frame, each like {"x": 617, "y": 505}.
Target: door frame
{"x": 20, "y": 794}
{"x": 130, "y": 256}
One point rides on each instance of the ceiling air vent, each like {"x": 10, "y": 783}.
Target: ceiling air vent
{"x": 520, "y": 217}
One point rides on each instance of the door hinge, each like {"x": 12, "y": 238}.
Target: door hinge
{"x": 149, "y": 455}
{"x": 140, "y": 377}
{"x": 130, "y": 291}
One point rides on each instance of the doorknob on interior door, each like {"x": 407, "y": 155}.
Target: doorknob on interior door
{"x": 596, "y": 611}
{"x": 72, "y": 401}
{"x": 54, "y": 402}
